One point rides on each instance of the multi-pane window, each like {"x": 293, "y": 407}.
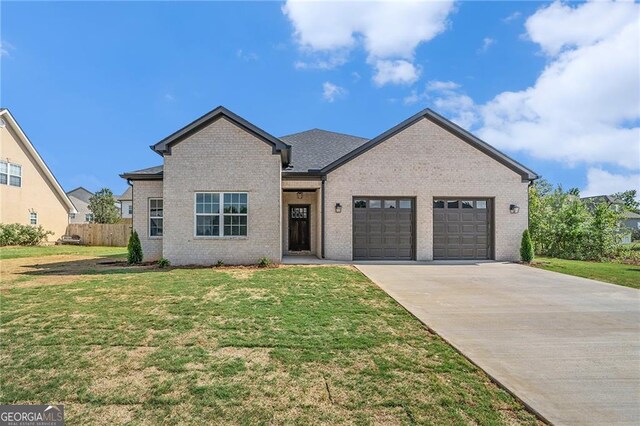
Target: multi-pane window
{"x": 72, "y": 216}
{"x": 221, "y": 214}
{"x": 10, "y": 174}
{"x": 130, "y": 208}
{"x": 88, "y": 217}
{"x": 155, "y": 217}
{"x": 33, "y": 218}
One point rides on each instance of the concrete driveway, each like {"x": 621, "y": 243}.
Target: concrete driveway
{"x": 568, "y": 347}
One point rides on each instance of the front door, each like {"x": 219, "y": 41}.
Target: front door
{"x": 299, "y": 228}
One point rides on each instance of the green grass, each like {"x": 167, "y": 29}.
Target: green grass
{"x": 295, "y": 345}
{"x": 39, "y": 251}
{"x": 614, "y": 273}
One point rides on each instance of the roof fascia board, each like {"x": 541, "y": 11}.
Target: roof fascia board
{"x": 38, "y": 159}
{"x": 278, "y": 146}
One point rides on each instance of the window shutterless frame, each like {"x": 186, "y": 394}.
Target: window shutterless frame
{"x": 156, "y": 217}
{"x": 221, "y": 214}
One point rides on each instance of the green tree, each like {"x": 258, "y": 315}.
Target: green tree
{"x": 526, "y": 247}
{"x": 604, "y": 232}
{"x": 134, "y": 249}
{"x": 629, "y": 199}
{"x": 103, "y": 206}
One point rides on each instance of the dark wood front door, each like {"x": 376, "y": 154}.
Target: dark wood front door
{"x": 299, "y": 228}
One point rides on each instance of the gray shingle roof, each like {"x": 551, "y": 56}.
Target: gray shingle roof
{"x": 154, "y": 172}
{"x": 315, "y": 148}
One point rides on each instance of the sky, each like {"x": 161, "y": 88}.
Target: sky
{"x": 554, "y": 85}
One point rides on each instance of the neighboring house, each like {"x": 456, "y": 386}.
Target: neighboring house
{"x": 425, "y": 189}
{"x": 126, "y": 203}
{"x": 80, "y": 198}
{"x": 29, "y": 193}
{"x": 630, "y": 220}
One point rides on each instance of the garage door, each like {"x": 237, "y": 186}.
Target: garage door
{"x": 383, "y": 228}
{"x": 461, "y": 228}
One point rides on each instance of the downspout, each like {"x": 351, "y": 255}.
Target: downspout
{"x": 324, "y": 179}
{"x": 130, "y": 183}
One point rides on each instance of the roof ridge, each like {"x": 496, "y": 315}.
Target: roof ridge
{"x": 326, "y": 131}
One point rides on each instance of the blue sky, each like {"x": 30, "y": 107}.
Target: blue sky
{"x": 94, "y": 84}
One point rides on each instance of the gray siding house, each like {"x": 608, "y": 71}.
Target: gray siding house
{"x": 80, "y": 199}
{"x": 425, "y": 189}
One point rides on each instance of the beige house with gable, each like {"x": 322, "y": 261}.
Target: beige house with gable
{"x": 424, "y": 190}
{"x": 29, "y": 192}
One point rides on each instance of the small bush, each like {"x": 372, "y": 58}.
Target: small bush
{"x": 134, "y": 249}
{"x": 264, "y": 262}
{"x": 219, "y": 264}
{"x": 163, "y": 263}
{"x": 526, "y": 247}
{"x": 22, "y": 235}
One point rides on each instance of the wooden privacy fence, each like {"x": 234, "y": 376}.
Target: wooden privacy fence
{"x": 101, "y": 234}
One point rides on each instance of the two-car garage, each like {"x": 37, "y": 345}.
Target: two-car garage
{"x": 384, "y": 228}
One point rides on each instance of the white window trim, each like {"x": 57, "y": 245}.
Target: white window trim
{"x": 221, "y": 216}
{"x": 31, "y": 215}
{"x": 9, "y": 174}
{"x": 85, "y": 217}
{"x": 154, "y": 237}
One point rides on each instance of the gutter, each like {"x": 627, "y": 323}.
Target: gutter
{"x": 322, "y": 207}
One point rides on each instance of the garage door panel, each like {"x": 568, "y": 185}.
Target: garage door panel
{"x": 461, "y": 229}
{"x": 383, "y": 232}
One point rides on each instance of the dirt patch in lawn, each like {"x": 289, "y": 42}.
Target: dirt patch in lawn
{"x": 55, "y": 270}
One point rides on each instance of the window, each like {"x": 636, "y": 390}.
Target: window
{"x": 10, "y": 174}
{"x": 438, "y": 204}
{"x": 467, "y": 204}
{"x": 360, "y": 204}
{"x": 375, "y": 204}
{"x": 33, "y": 218}
{"x": 130, "y": 208}
{"x": 389, "y": 204}
{"x": 88, "y": 217}
{"x": 72, "y": 216}
{"x": 216, "y": 220}
{"x": 405, "y": 204}
{"x": 481, "y": 204}
{"x": 155, "y": 217}
{"x": 453, "y": 204}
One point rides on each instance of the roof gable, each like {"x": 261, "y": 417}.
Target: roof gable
{"x": 80, "y": 193}
{"x": 8, "y": 119}
{"x": 278, "y": 147}
{"x": 447, "y": 125}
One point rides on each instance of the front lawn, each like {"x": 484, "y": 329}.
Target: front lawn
{"x": 615, "y": 273}
{"x": 300, "y": 345}
{"x": 15, "y": 252}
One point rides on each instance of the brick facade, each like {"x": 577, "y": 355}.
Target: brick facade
{"x": 142, "y": 191}
{"x": 425, "y": 161}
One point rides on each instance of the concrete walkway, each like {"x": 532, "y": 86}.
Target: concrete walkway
{"x": 568, "y": 347}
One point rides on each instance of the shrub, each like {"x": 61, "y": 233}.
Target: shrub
{"x": 163, "y": 263}
{"x": 22, "y": 235}
{"x": 264, "y": 262}
{"x": 526, "y": 247}
{"x": 219, "y": 264}
{"x": 134, "y": 249}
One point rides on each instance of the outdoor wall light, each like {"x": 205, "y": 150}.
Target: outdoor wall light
{"x": 514, "y": 209}
{"x": 299, "y": 195}
{"x": 338, "y": 207}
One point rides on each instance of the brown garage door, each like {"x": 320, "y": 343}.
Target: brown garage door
{"x": 461, "y": 228}
{"x": 383, "y": 228}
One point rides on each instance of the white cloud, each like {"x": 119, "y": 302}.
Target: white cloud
{"x": 601, "y": 182}
{"x": 389, "y": 31}
{"x": 487, "y": 42}
{"x": 246, "y": 56}
{"x": 512, "y": 17}
{"x": 585, "y": 105}
{"x": 396, "y": 72}
{"x": 169, "y": 97}
{"x": 6, "y": 48}
{"x": 331, "y": 92}
{"x": 447, "y": 98}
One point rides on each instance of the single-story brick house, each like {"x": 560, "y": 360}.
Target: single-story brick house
{"x": 425, "y": 189}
